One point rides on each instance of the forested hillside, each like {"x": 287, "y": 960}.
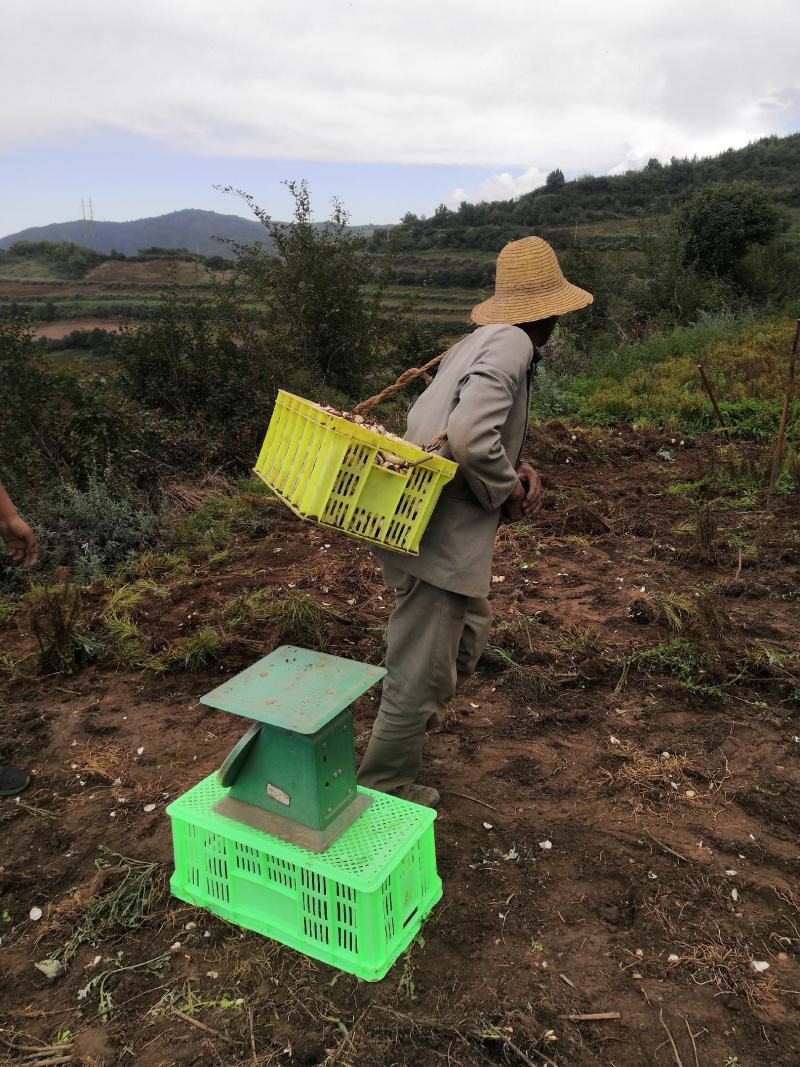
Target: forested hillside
{"x": 592, "y": 203}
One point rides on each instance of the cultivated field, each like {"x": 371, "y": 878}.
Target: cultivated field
{"x": 618, "y": 837}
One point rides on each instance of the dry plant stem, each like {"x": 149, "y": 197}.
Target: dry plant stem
{"x": 518, "y": 1051}
{"x": 666, "y": 848}
{"x": 202, "y": 1026}
{"x": 777, "y": 452}
{"x": 466, "y": 796}
{"x": 713, "y": 399}
{"x": 593, "y": 1017}
{"x": 678, "y": 1059}
{"x": 366, "y": 406}
{"x": 694, "y": 1043}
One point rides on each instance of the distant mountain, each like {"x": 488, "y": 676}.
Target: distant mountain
{"x": 191, "y": 229}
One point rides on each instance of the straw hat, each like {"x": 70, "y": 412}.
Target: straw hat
{"x": 529, "y": 286}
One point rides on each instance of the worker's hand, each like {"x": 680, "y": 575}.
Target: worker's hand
{"x": 513, "y": 507}
{"x": 532, "y": 484}
{"x": 19, "y": 538}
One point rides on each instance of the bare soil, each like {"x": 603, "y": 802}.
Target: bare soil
{"x": 150, "y": 271}
{"x": 616, "y": 835}
{"x": 64, "y": 327}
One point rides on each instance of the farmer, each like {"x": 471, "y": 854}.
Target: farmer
{"x": 480, "y": 397}
{"x": 20, "y": 540}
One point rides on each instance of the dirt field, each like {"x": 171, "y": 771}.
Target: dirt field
{"x": 65, "y": 327}
{"x": 618, "y": 832}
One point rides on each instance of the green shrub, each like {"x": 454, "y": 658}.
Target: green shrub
{"x": 92, "y": 529}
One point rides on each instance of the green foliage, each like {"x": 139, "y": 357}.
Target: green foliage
{"x": 66, "y": 259}
{"x": 200, "y": 363}
{"x": 722, "y": 221}
{"x": 317, "y": 314}
{"x": 92, "y": 529}
{"x": 200, "y": 649}
{"x": 294, "y": 617}
{"x": 55, "y": 618}
{"x": 554, "y": 211}
{"x": 555, "y": 179}
{"x": 127, "y": 891}
{"x": 214, "y": 524}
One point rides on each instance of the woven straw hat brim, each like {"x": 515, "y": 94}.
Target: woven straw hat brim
{"x": 529, "y": 303}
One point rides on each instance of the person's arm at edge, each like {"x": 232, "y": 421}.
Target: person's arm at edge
{"x": 19, "y": 538}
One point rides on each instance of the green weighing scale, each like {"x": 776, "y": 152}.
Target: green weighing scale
{"x": 293, "y": 774}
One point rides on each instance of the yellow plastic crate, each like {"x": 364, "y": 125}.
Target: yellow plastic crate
{"x": 323, "y": 467}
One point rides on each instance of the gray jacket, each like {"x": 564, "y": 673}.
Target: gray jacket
{"x": 480, "y": 396}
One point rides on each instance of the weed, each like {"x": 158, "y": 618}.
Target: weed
{"x": 200, "y": 649}
{"x": 579, "y": 642}
{"x": 119, "y": 897}
{"x": 531, "y": 683}
{"x": 54, "y": 616}
{"x": 151, "y": 564}
{"x": 213, "y": 526}
{"x": 501, "y": 656}
{"x": 407, "y": 983}
{"x": 292, "y": 617}
{"x": 671, "y": 609}
{"x": 678, "y": 658}
{"x": 7, "y": 609}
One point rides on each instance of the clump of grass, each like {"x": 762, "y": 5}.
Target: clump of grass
{"x": 648, "y": 779}
{"x": 213, "y": 526}
{"x": 531, "y": 683}
{"x": 678, "y": 658}
{"x": 199, "y": 649}
{"x": 8, "y": 609}
{"x": 292, "y": 617}
{"x": 125, "y": 642}
{"x": 579, "y": 642}
{"x": 152, "y": 564}
{"x": 118, "y": 898}
{"x": 674, "y": 610}
{"x": 55, "y": 617}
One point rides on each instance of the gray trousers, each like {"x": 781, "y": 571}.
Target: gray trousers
{"x": 434, "y": 641}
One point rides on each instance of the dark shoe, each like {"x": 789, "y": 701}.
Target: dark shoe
{"x": 419, "y": 794}
{"x": 13, "y": 781}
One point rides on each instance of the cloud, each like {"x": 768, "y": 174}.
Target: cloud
{"x": 578, "y": 85}
{"x": 502, "y": 186}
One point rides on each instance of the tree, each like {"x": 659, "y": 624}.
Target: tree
{"x": 555, "y": 179}
{"x": 722, "y": 221}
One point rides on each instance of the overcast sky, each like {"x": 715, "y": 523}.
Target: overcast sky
{"x": 393, "y": 106}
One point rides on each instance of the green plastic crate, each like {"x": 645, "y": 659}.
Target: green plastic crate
{"x": 323, "y": 467}
{"x": 356, "y": 906}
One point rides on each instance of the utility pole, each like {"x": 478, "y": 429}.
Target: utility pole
{"x": 87, "y": 211}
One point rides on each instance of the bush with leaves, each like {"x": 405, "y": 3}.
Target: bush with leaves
{"x": 318, "y": 314}
{"x": 722, "y": 221}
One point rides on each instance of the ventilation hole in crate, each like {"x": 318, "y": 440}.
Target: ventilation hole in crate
{"x": 281, "y": 872}
{"x": 410, "y": 917}
{"x": 346, "y": 485}
{"x": 346, "y": 918}
{"x": 366, "y": 523}
{"x": 248, "y": 859}
{"x": 388, "y": 914}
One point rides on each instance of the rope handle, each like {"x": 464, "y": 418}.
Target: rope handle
{"x": 366, "y": 406}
